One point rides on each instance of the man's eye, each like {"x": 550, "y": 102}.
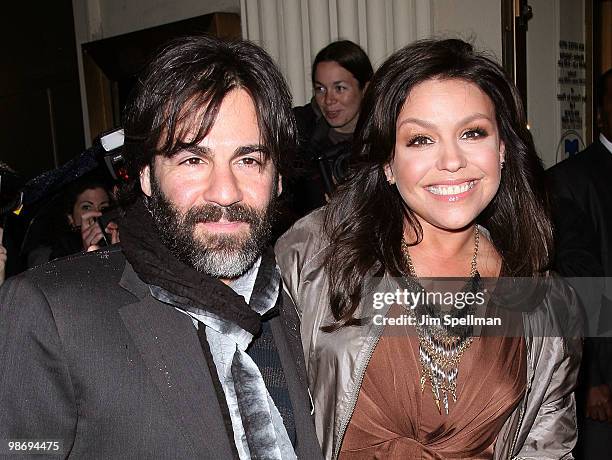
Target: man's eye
{"x": 419, "y": 141}
{"x": 250, "y": 161}
{"x": 193, "y": 161}
{"x": 474, "y": 133}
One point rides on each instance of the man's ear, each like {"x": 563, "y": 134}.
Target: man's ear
{"x": 145, "y": 180}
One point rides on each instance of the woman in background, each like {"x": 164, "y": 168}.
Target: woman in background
{"x": 445, "y": 183}
{"x": 340, "y": 75}
{"x": 85, "y": 201}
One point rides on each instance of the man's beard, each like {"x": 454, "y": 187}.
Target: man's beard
{"x": 220, "y": 255}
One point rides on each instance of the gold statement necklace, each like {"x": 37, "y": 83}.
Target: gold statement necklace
{"x": 441, "y": 347}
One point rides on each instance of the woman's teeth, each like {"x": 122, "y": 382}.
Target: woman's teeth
{"x": 450, "y": 189}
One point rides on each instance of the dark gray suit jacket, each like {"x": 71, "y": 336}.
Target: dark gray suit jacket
{"x": 581, "y": 188}
{"x": 88, "y": 356}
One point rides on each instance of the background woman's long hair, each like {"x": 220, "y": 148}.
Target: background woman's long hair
{"x": 365, "y": 218}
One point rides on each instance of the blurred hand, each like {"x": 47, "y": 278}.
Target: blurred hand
{"x": 2, "y": 258}
{"x": 112, "y": 229}
{"x": 91, "y": 233}
{"x": 599, "y": 403}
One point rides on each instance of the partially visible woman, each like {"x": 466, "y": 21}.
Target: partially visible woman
{"x": 340, "y": 75}
{"x": 83, "y": 205}
{"x": 445, "y": 183}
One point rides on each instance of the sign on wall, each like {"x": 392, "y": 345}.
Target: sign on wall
{"x": 571, "y": 94}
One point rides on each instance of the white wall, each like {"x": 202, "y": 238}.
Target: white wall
{"x": 478, "y": 21}
{"x": 542, "y": 55}
{"x": 98, "y": 19}
{"x": 107, "y": 18}
{"x": 553, "y": 20}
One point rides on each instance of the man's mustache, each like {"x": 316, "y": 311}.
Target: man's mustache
{"x": 213, "y": 213}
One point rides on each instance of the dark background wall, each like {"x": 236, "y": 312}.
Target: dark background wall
{"x": 40, "y": 105}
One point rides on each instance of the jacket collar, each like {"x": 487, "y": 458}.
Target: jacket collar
{"x": 131, "y": 283}
{"x": 606, "y": 143}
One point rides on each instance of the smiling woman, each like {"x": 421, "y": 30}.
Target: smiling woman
{"x": 445, "y": 183}
{"x": 448, "y": 153}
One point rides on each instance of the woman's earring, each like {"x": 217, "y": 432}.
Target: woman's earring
{"x": 389, "y": 174}
{"x": 502, "y": 164}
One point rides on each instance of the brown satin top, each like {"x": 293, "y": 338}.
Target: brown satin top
{"x": 393, "y": 419}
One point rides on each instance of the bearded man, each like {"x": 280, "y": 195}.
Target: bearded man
{"x": 175, "y": 344}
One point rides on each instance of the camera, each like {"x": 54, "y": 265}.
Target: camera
{"x": 333, "y": 165}
{"x": 108, "y": 215}
{"x": 332, "y": 160}
{"x": 112, "y": 144}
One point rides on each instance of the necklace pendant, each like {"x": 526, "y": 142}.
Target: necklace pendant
{"x": 423, "y": 379}
{"x": 446, "y": 402}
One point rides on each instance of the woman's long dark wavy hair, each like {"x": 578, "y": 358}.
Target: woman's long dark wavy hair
{"x": 365, "y": 218}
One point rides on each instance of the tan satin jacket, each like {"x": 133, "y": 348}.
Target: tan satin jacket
{"x": 543, "y": 426}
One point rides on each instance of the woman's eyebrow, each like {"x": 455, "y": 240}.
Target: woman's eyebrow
{"x": 429, "y": 125}
{"x": 337, "y": 82}
{"x": 416, "y": 121}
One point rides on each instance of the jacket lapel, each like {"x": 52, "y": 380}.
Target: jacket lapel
{"x": 285, "y": 330}
{"x": 169, "y": 346}
{"x": 603, "y": 166}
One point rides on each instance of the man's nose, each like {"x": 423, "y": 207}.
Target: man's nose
{"x": 223, "y": 188}
{"x": 451, "y": 158}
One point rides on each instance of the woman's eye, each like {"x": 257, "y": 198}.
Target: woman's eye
{"x": 341, "y": 89}
{"x": 86, "y": 207}
{"x": 474, "y": 133}
{"x": 319, "y": 90}
{"x": 419, "y": 141}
